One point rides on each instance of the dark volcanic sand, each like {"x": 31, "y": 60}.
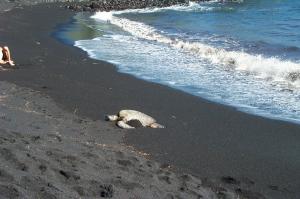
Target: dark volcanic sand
{"x": 201, "y": 137}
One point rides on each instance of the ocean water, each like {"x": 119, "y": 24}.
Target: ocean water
{"x": 244, "y": 54}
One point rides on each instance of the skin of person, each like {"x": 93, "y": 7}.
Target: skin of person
{"x": 5, "y": 56}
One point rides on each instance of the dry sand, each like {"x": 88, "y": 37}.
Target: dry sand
{"x": 46, "y": 152}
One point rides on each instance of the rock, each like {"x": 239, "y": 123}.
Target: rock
{"x": 108, "y": 5}
{"x": 87, "y": 9}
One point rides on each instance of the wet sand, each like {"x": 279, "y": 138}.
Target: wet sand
{"x": 203, "y": 138}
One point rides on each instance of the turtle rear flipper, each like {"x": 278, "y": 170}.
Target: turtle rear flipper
{"x": 156, "y": 126}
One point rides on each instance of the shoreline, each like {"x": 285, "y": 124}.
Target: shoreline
{"x": 98, "y": 92}
{"x": 74, "y": 27}
{"x": 148, "y": 140}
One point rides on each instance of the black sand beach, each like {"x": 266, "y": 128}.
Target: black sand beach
{"x": 203, "y": 138}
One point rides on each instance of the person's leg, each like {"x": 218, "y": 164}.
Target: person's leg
{"x": 1, "y": 53}
{"x": 2, "y": 61}
{"x": 7, "y": 56}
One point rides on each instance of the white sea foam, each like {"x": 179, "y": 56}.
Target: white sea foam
{"x": 104, "y": 16}
{"x": 266, "y": 67}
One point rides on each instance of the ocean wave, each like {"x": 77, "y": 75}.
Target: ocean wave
{"x": 266, "y": 67}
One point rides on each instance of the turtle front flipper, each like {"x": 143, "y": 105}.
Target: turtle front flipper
{"x": 123, "y": 125}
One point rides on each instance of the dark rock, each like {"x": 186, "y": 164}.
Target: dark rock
{"x": 293, "y": 76}
{"x": 87, "y": 9}
{"x": 96, "y": 5}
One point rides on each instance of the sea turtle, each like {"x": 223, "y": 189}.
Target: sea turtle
{"x": 129, "y": 119}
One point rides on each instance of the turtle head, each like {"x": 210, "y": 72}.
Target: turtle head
{"x": 111, "y": 117}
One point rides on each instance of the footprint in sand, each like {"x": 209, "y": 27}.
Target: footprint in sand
{"x": 9, "y": 192}
{"x": 95, "y": 189}
{"x": 8, "y": 156}
{"x": 5, "y": 177}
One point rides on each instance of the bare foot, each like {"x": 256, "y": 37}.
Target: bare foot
{"x": 11, "y": 63}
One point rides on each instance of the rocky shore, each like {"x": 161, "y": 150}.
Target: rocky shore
{"x": 108, "y": 5}
{"x": 95, "y": 5}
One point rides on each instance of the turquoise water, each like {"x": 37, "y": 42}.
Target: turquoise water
{"x": 245, "y": 55}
